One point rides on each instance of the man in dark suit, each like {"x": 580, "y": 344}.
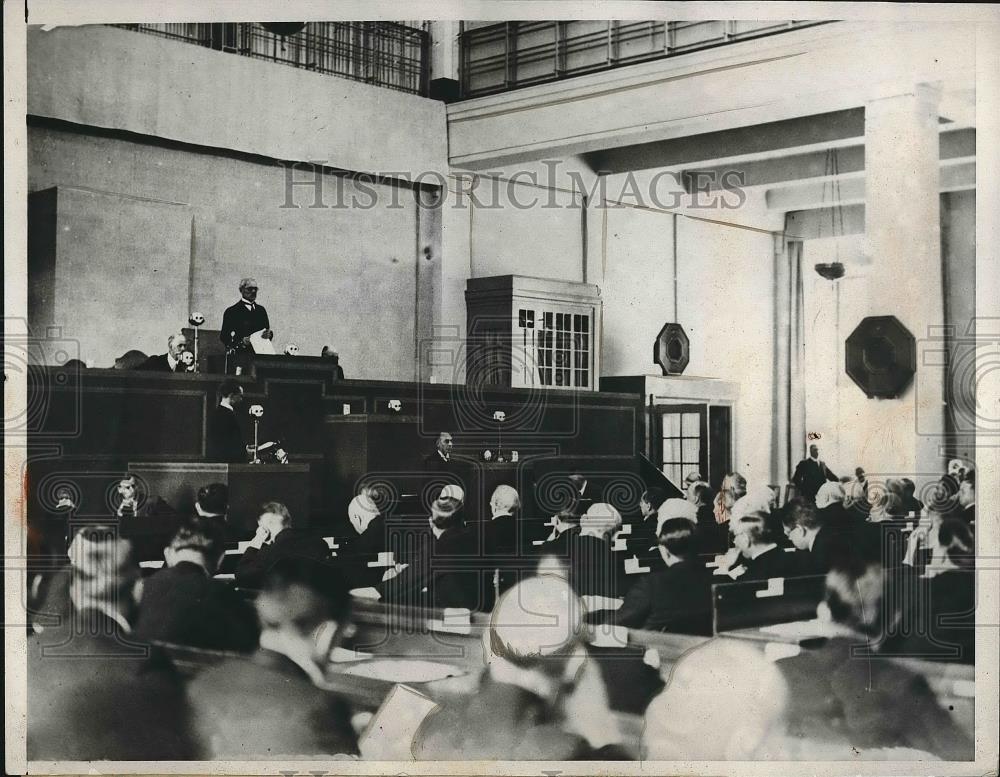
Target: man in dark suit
{"x": 169, "y": 361}
{"x": 182, "y": 604}
{"x": 224, "y": 438}
{"x": 818, "y": 543}
{"x": 95, "y": 691}
{"x": 436, "y": 575}
{"x": 677, "y": 598}
{"x": 810, "y": 474}
{"x": 268, "y": 706}
{"x": 760, "y": 555}
{"x": 867, "y": 702}
{"x": 649, "y": 503}
{"x": 439, "y": 460}
{"x": 276, "y": 539}
{"x": 501, "y": 542}
{"x": 334, "y": 357}
{"x": 241, "y": 320}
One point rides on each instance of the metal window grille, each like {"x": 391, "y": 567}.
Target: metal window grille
{"x": 385, "y": 54}
{"x": 511, "y": 55}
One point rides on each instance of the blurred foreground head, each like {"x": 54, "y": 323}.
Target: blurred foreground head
{"x": 104, "y": 572}
{"x": 536, "y": 626}
{"x": 724, "y": 701}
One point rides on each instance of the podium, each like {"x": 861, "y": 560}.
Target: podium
{"x": 250, "y": 485}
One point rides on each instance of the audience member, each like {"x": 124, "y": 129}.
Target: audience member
{"x": 540, "y": 697}
{"x": 760, "y": 555}
{"x": 677, "y": 598}
{"x": 223, "y": 436}
{"x": 690, "y": 481}
{"x": 268, "y": 706}
{"x": 276, "y": 539}
{"x": 94, "y": 692}
{"x": 911, "y": 505}
{"x": 732, "y": 489}
{"x": 967, "y": 498}
{"x": 592, "y": 567}
{"x": 182, "y": 604}
{"x": 810, "y": 474}
{"x": 169, "y": 361}
{"x": 863, "y": 701}
{"x": 723, "y": 701}
{"x": 887, "y": 506}
{"x": 818, "y": 543}
{"x": 500, "y": 541}
{"x": 649, "y": 504}
{"x": 212, "y": 501}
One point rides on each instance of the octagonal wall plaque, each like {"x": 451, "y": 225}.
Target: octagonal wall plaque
{"x": 672, "y": 349}
{"x": 881, "y": 356}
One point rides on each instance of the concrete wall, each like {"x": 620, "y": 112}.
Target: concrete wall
{"x": 340, "y": 276}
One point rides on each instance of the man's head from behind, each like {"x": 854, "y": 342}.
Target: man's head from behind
{"x": 198, "y": 540}
{"x": 445, "y": 514}
{"x": 801, "y": 521}
{"x": 231, "y": 391}
{"x": 751, "y": 531}
{"x": 677, "y": 539}
{"x": 858, "y": 597}
{"x": 536, "y": 626}
{"x": 303, "y": 608}
{"x": 504, "y": 500}
{"x": 104, "y": 572}
{"x": 726, "y": 688}
{"x": 212, "y": 500}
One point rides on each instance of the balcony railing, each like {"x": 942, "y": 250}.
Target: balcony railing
{"x": 380, "y": 53}
{"x": 511, "y": 55}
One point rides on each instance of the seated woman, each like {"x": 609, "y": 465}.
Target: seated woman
{"x": 676, "y": 598}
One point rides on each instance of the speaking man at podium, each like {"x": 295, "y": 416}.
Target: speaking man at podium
{"x": 242, "y": 320}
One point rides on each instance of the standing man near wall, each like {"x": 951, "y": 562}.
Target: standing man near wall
{"x": 810, "y": 474}
{"x": 242, "y": 320}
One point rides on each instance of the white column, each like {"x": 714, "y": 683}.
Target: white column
{"x": 902, "y": 225}
{"x": 444, "y": 49}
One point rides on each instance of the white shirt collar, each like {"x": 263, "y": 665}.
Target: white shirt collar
{"x": 760, "y": 550}
{"x": 171, "y": 361}
{"x": 248, "y": 303}
{"x": 811, "y": 537}
{"x": 437, "y": 532}
{"x": 443, "y": 456}
{"x": 224, "y": 402}
{"x": 362, "y": 521}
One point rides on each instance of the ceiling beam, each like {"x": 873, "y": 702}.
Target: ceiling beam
{"x": 955, "y": 176}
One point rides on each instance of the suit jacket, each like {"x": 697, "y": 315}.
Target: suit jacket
{"x": 498, "y": 721}
{"x": 871, "y": 703}
{"x": 772, "y": 563}
{"x": 941, "y": 618}
{"x": 96, "y": 694}
{"x": 255, "y": 563}
{"x": 224, "y": 438}
{"x": 677, "y": 598}
{"x": 184, "y": 606}
{"x": 266, "y": 707}
{"x": 157, "y": 363}
{"x": 238, "y": 322}
{"x": 447, "y": 576}
{"x": 809, "y": 475}
{"x": 592, "y": 567}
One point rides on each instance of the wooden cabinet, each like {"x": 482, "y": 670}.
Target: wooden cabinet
{"x": 528, "y": 332}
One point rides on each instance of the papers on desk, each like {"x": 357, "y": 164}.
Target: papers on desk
{"x": 606, "y": 635}
{"x": 800, "y": 629}
{"x": 260, "y": 345}
{"x": 367, "y": 592}
{"x": 619, "y": 545}
{"x": 595, "y": 603}
{"x": 455, "y": 620}
{"x": 389, "y": 735}
{"x": 402, "y": 670}
{"x": 634, "y": 567}
{"x": 384, "y": 560}
{"x": 157, "y": 564}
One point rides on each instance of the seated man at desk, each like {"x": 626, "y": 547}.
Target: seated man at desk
{"x": 169, "y": 361}
{"x": 276, "y": 540}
